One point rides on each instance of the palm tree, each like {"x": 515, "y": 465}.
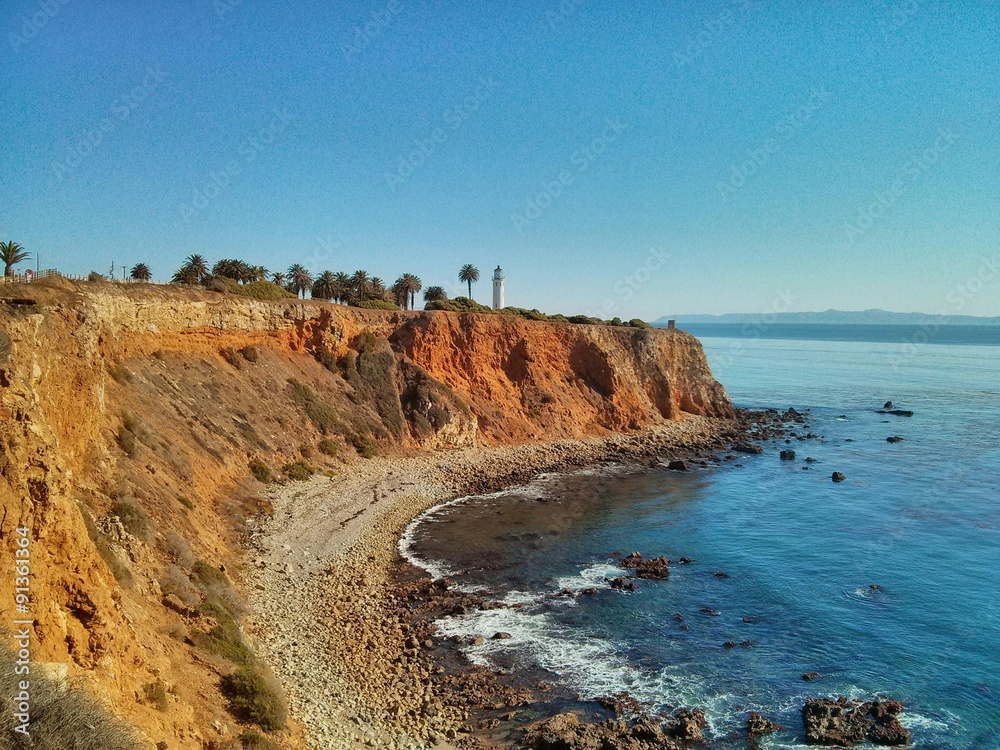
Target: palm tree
{"x": 468, "y": 273}
{"x": 407, "y": 286}
{"x": 278, "y": 278}
{"x": 198, "y": 267}
{"x": 360, "y": 282}
{"x": 325, "y": 286}
{"x": 341, "y": 287}
{"x": 11, "y": 253}
{"x": 258, "y": 273}
{"x": 140, "y": 272}
{"x": 435, "y": 294}
{"x": 400, "y": 293}
{"x": 377, "y": 290}
{"x": 233, "y": 269}
{"x": 299, "y": 279}
{"x": 185, "y": 275}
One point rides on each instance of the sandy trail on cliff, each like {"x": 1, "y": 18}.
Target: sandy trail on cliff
{"x": 334, "y": 539}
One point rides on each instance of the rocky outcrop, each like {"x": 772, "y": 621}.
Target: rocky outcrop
{"x": 566, "y": 732}
{"x": 758, "y": 725}
{"x": 526, "y": 380}
{"x": 846, "y": 723}
{"x": 654, "y": 568}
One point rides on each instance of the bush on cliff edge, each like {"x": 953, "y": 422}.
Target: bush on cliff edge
{"x": 62, "y": 716}
{"x": 253, "y": 698}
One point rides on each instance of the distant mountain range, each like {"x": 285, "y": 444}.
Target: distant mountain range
{"x": 835, "y": 317}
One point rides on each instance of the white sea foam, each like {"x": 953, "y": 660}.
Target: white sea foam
{"x": 590, "y": 577}
{"x": 591, "y": 666}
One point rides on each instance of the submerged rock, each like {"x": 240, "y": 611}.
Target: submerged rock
{"x": 677, "y": 466}
{"x": 748, "y": 448}
{"x": 896, "y": 412}
{"x": 622, "y": 584}
{"x": 757, "y": 724}
{"x": 894, "y": 439}
{"x": 838, "y": 477}
{"x": 846, "y": 722}
{"x": 788, "y": 455}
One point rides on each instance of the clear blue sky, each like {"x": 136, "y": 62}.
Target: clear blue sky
{"x": 652, "y": 157}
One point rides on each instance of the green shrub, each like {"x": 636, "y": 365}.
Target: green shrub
{"x": 217, "y": 284}
{"x": 224, "y": 639}
{"x": 120, "y": 373}
{"x": 586, "y": 320}
{"x": 365, "y": 445}
{"x": 61, "y": 716}
{"x": 458, "y": 304}
{"x": 366, "y": 342}
{"x": 326, "y": 358}
{"x": 261, "y": 471}
{"x": 231, "y": 356}
{"x": 178, "y": 549}
{"x": 95, "y": 276}
{"x": 325, "y": 418}
{"x": 175, "y": 581}
{"x": 328, "y": 447}
{"x": 377, "y": 304}
{"x": 298, "y": 471}
{"x": 128, "y": 442}
{"x": 209, "y": 577}
{"x": 249, "y": 353}
{"x": 266, "y": 290}
{"x": 185, "y": 501}
{"x": 253, "y": 699}
{"x": 636, "y": 323}
{"x": 523, "y": 313}
{"x": 132, "y": 516}
{"x": 251, "y": 740}
{"x": 156, "y": 694}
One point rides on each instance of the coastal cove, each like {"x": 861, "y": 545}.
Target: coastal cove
{"x": 335, "y": 624}
{"x": 881, "y": 584}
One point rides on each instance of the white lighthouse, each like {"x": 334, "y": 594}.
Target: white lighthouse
{"x": 498, "y": 289}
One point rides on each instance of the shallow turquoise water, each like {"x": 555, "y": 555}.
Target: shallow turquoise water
{"x": 920, "y": 519}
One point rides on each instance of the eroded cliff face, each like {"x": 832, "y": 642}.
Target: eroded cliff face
{"x": 117, "y": 402}
{"x": 526, "y": 380}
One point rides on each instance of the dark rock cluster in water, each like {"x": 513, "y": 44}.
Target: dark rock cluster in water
{"x": 655, "y": 568}
{"x": 845, "y": 722}
{"x": 566, "y": 732}
{"x": 757, "y": 725}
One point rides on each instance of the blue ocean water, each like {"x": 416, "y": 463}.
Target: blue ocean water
{"x": 920, "y": 519}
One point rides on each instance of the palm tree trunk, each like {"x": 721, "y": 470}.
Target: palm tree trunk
{"x": 470, "y": 288}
